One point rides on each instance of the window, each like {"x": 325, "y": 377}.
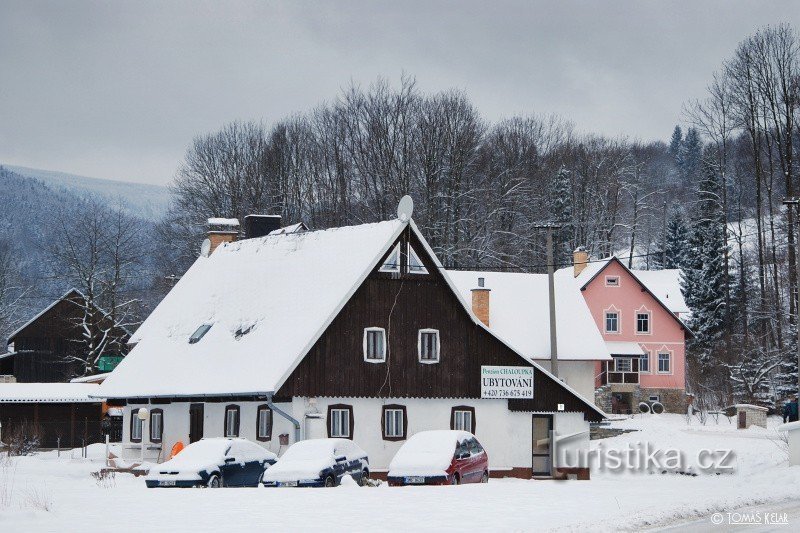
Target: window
{"x": 655, "y": 398}
{"x": 612, "y": 281}
{"x": 415, "y": 266}
{"x": 264, "y": 423}
{"x": 462, "y": 418}
{"x": 644, "y": 362}
{"x": 428, "y": 346}
{"x": 340, "y": 421}
{"x": 232, "y": 421}
{"x": 642, "y": 322}
{"x": 392, "y": 263}
{"x": 198, "y": 334}
{"x": 612, "y": 322}
{"x": 623, "y": 364}
{"x": 136, "y": 426}
{"x": 374, "y": 345}
{"x": 156, "y": 425}
{"x": 663, "y": 363}
{"x": 394, "y": 422}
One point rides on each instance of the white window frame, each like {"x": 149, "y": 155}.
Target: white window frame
{"x": 409, "y": 253}
{"x": 645, "y": 357}
{"x": 158, "y": 415}
{"x": 643, "y": 311}
{"x": 396, "y": 267}
{"x": 669, "y": 362}
{"x": 438, "y": 347}
{"x": 229, "y": 427}
{"x": 614, "y": 284}
{"x": 343, "y": 418}
{"x": 364, "y": 345}
{"x": 463, "y": 414}
{"x": 262, "y": 422}
{"x": 137, "y": 428}
{"x": 654, "y": 398}
{"x": 392, "y": 422}
{"x": 613, "y": 311}
{"x": 628, "y": 361}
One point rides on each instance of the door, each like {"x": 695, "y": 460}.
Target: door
{"x": 542, "y": 446}
{"x": 742, "y": 420}
{"x": 196, "y": 413}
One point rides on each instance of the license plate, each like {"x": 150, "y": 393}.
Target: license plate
{"x": 288, "y": 484}
{"x": 167, "y": 483}
{"x": 415, "y": 480}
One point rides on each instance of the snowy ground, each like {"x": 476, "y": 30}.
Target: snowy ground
{"x": 46, "y": 493}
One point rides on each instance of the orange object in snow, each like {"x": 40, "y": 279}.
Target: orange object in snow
{"x": 178, "y": 448}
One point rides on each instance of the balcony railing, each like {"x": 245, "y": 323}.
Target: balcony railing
{"x": 621, "y": 371}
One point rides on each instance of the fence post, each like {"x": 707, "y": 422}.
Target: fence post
{"x": 108, "y": 453}
{"x": 58, "y": 446}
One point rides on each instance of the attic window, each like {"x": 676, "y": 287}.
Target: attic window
{"x": 612, "y": 281}
{"x": 415, "y": 266}
{"x": 392, "y": 263}
{"x": 242, "y": 331}
{"x": 199, "y": 333}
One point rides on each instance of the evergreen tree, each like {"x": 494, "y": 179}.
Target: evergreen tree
{"x": 561, "y": 213}
{"x": 677, "y": 244}
{"x": 704, "y": 273}
{"x": 691, "y": 157}
{"x": 676, "y": 146}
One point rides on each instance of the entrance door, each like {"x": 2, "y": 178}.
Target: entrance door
{"x": 196, "y": 413}
{"x": 742, "y": 420}
{"x": 542, "y": 446}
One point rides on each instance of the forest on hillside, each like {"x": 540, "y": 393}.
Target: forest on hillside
{"x": 708, "y": 199}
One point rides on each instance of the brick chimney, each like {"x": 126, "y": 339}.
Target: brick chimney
{"x": 222, "y": 230}
{"x": 480, "y": 302}
{"x": 580, "y": 258}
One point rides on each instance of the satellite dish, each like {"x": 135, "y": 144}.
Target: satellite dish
{"x": 405, "y": 208}
{"x": 205, "y": 248}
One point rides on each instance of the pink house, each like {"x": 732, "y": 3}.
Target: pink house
{"x": 638, "y": 313}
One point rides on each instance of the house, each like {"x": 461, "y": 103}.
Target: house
{"x": 37, "y": 400}
{"x": 355, "y": 332}
{"x": 639, "y": 316}
{"x": 515, "y": 307}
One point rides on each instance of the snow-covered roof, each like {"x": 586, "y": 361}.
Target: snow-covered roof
{"x": 41, "y": 313}
{"x": 283, "y": 291}
{"x": 216, "y": 221}
{"x": 519, "y": 313}
{"x": 97, "y": 378}
{"x": 293, "y": 228}
{"x": 750, "y": 406}
{"x": 48, "y": 392}
{"x": 7, "y": 354}
{"x": 666, "y": 286}
{"x": 624, "y": 348}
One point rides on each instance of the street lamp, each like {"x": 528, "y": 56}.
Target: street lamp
{"x": 141, "y": 414}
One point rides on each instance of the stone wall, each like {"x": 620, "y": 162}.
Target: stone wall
{"x": 673, "y": 400}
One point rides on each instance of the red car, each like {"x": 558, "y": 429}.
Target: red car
{"x": 442, "y": 457}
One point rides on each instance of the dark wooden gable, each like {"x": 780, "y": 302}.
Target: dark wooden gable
{"x": 45, "y": 345}
{"x": 403, "y": 304}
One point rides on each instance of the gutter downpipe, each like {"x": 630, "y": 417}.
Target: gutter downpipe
{"x": 285, "y": 415}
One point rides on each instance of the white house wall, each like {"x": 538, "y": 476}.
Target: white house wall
{"x": 577, "y": 374}
{"x": 506, "y": 435}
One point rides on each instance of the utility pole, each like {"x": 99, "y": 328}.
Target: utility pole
{"x": 552, "y": 295}
{"x": 789, "y": 202}
{"x": 664, "y": 238}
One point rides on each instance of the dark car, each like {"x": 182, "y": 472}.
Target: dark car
{"x": 218, "y": 462}
{"x": 441, "y": 457}
{"x": 319, "y": 463}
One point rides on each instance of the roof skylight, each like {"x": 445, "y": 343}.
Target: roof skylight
{"x": 198, "y": 333}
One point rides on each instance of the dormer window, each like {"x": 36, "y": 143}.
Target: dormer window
{"x": 415, "y": 266}
{"x": 199, "y": 333}
{"x": 392, "y": 263}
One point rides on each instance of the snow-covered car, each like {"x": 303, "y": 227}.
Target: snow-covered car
{"x": 439, "y": 457}
{"x": 216, "y": 462}
{"x": 318, "y": 463}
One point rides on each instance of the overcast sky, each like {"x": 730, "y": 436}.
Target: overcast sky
{"x": 118, "y": 89}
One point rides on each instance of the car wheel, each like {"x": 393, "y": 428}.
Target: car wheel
{"x": 330, "y": 481}
{"x": 364, "y": 477}
{"x": 214, "y": 482}
{"x": 455, "y": 480}
{"x": 485, "y": 477}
